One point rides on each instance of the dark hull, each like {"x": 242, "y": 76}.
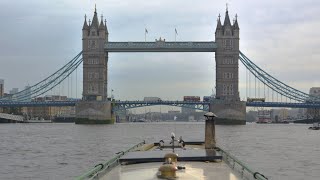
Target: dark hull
{"x": 64, "y": 120}
{"x": 8, "y": 121}
{"x": 306, "y": 121}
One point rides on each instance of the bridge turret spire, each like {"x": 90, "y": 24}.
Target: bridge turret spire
{"x": 226, "y": 19}
{"x": 235, "y": 24}
{"x": 101, "y": 27}
{"x": 219, "y": 25}
{"x": 85, "y": 25}
{"x": 95, "y": 22}
{"x": 105, "y": 23}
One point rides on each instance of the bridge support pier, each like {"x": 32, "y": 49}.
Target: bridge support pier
{"x": 229, "y": 112}
{"x": 94, "y": 112}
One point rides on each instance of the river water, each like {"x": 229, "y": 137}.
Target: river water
{"x": 62, "y": 151}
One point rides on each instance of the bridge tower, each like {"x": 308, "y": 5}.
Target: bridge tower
{"x": 227, "y": 55}
{"x": 227, "y": 105}
{"x": 95, "y": 59}
{"x": 94, "y": 107}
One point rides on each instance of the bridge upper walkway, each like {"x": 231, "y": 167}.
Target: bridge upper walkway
{"x": 161, "y": 46}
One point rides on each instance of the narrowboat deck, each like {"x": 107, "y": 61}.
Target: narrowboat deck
{"x": 174, "y": 159}
{"x": 193, "y": 161}
{"x": 193, "y": 171}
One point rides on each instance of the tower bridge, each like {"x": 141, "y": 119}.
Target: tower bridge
{"x": 120, "y": 105}
{"x": 96, "y": 47}
{"x": 96, "y": 108}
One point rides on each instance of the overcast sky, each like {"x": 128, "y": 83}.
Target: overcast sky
{"x": 40, "y": 36}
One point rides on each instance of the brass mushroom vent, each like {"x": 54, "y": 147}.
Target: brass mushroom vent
{"x": 169, "y": 168}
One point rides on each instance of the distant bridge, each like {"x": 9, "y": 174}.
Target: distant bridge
{"x": 120, "y": 105}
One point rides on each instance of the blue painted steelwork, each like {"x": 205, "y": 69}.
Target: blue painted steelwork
{"x": 283, "y": 104}
{"x": 36, "y": 104}
{"x": 201, "y": 105}
{"x": 118, "y": 105}
{"x": 161, "y": 46}
{"x": 121, "y": 105}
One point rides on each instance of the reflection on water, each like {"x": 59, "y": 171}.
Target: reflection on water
{"x": 63, "y": 151}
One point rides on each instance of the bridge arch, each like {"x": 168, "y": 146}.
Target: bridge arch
{"x": 124, "y": 105}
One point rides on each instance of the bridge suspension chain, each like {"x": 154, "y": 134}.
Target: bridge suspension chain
{"x": 275, "y": 87}
{"x": 275, "y": 84}
{"x": 48, "y": 83}
{"x": 47, "y": 87}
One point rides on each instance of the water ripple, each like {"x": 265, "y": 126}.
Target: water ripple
{"x": 63, "y": 151}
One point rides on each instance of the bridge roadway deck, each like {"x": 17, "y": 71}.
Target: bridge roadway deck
{"x": 200, "y": 105}
{"x": 143, "y": 103}
{"x": 161, "y": 46}
{"x": 37, "y": 103}
{"x": 283, "y": 104}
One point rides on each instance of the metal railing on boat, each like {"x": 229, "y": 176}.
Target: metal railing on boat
{"x": 90, "y": 174}
{"x": 234, "y": 163}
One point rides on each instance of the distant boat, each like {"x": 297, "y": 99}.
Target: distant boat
{"x": 315, "y": 126}
{"x": 140, "y": 120}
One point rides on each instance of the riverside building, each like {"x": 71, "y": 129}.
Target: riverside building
{"x": 1, "y": 87}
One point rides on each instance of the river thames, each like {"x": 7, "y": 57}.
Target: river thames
{"x": 62, "y": 151}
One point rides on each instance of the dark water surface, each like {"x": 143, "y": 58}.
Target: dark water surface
{"x": 63, "y": 151}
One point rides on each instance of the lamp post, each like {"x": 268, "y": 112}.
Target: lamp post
{"x": 210, "y": 141}
{"x": 112, "y": 95}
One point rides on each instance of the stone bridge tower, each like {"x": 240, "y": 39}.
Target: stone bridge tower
{"x": 227, "y": 104}
{"x": 94, "y": 107}
{"x": 227, "y": 55}
{"x": 95, "y": 59}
